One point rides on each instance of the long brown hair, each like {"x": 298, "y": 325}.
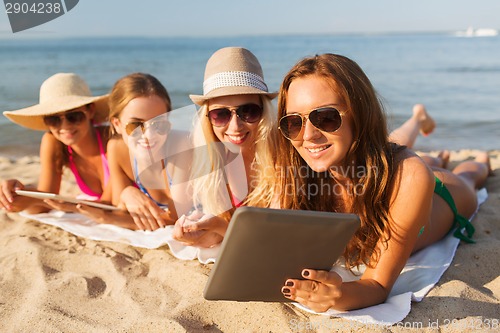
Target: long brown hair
{"x": 370, "y": 157}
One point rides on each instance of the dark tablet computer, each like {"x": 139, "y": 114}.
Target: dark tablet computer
{"x": 264, "y": 247}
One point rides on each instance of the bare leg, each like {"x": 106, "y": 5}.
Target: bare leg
{"x": 441, "y": 161}
{"x": 474, "y": 173}
{"x": 420, "y": 122}
{"x": 462, "y": 183}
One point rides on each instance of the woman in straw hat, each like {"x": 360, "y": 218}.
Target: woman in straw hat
{"x": 334, "y": 128}
{"x": 235, "y": 124}
{"x": 144, "y": 180}
{"x": 68, "y": 112}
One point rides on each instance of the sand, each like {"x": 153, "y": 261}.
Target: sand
{"x": 53, "y": 281}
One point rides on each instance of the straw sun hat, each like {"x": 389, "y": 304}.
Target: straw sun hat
{"x": 59, "y": 93}
{"x": 232, "y": 71}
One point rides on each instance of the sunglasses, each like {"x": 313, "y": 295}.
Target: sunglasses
{"x": 160, "y": 127}
{"x": 326, "y": 119}
{"x": 74, "y": 117}
{"x": 249, "y": 113}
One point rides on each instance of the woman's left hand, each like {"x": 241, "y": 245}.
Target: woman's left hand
{"x": 207, "y": 222}
{"x": 97, "y": 214}
{"x": 62, "y": 206}
{"x": 319, "y": 291}
{"x": 144, "y": 211}
{"x": 197, "y": 229}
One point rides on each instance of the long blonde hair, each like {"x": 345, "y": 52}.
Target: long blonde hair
{"x": 370, "y": 152}
{"x": 133, "y": 86}
{"x": 210, "y": 159}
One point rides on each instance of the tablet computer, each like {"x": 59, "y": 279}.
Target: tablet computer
{"x": 53, "y": 196}
{"x": 264, "y": 247}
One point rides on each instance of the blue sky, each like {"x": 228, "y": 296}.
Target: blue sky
{"x": 257, "y": 17}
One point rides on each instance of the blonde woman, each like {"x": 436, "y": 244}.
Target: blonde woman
{"x": 234, "y": 143}
{"x": 146, "y": 183}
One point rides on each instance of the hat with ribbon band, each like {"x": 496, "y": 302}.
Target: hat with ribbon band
{"x": 232, "y": 71}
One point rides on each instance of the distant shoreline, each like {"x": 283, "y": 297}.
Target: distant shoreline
{"x": 48, "y": 35}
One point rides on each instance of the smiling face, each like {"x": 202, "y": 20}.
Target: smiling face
{"x": 138, "y": 110}
{"x": 236, "y": 131}
{"x": 71, "y": 132}
{"x": 321, "y": 150}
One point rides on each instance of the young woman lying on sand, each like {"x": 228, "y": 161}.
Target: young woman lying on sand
{"x": 142, "y": 175}
{"x": 70, "y": 115}
{"x": 236, "y": 114}
{"x": 331, "y": 120}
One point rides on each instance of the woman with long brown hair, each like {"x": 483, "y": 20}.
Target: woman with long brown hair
{"x": 334, "y": 135}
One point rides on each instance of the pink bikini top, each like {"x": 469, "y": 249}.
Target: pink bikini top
{"x": 87, "y": 191}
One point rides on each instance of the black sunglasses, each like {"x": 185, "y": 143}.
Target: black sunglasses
{"x": 327, "y": 119}
{"x": 73, "y": 117}
{"x": 160, "y": 126}
{"x": 249, "y": 113}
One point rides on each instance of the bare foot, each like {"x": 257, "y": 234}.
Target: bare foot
{"x": 484, "y": 158}
{"x": 427, "y": 124}
{"x": 444, "y": 156}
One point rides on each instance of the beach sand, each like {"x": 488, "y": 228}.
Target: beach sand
{"x": 53, "y": 281}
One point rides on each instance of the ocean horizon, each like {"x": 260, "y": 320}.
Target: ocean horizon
{"x": 456, "y": 78}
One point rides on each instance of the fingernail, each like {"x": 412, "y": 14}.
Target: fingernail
{"x": 286, "y": 290}
{"x": 305, "y": 273}
{"x": 289, "y": 283}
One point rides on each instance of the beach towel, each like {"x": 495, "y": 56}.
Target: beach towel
{"x": 422, "y": 271}
{"x": 83, "y": 226}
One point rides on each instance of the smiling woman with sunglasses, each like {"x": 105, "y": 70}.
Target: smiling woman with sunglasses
{"x": 67, "y": 111}
{"x": 327, "y": 119}
{"x": 334, "y": 133}
{"x": 235, "y": 119}
{"x": 142, "y": 179}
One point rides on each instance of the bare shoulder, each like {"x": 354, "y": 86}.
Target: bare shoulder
{"x": 412, "y": 174}
{"x": 117, "y": 146}
{"x": 411, "y": 165}
{"x": 50, "y": 146}
{"x": 49, "y": 139}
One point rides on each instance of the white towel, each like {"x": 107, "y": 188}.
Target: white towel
{"x": 83, "y": 226}
{"x": 422, "y": 271}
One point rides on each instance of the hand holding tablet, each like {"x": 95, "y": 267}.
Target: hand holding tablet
{"x": 264, "y": 247}
{"x": 53, "y": 196}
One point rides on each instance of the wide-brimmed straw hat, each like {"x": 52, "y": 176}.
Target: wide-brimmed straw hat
{"x": 59, "y": 93}
{"x": 232, "y": 71}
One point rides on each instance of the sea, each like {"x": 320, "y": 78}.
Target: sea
{"x": 457, "y": 78}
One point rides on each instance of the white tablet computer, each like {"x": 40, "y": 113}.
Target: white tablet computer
{"x": 264, "y": 247}
{"x": 53, "y": 196}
